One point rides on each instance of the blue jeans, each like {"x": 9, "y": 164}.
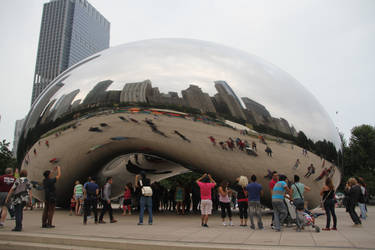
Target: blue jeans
{"x": 18, "y": 213}
{"x": 145, "y": 201}
{"x": 362, "y": 206}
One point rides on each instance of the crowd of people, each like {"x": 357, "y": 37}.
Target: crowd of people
{"x": 204, "y": 195}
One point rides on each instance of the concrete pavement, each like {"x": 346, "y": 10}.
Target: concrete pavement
{"x": 180, "y": 232}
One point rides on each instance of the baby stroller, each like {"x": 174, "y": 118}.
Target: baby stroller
{"x": 307, "y": 217}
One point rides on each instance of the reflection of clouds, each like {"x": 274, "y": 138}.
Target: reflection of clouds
{"x": 174, "y": 64}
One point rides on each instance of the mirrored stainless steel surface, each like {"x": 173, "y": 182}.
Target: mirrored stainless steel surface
{"x": 165, "y": 98}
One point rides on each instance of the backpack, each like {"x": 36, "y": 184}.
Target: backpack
{"x": 146, "y": 190}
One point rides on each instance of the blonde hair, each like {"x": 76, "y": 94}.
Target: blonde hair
{"x": 243, "y": 181}
{"x": 352, "y": 181}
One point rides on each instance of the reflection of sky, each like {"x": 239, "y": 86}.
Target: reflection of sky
{"x": 174, "y": 64}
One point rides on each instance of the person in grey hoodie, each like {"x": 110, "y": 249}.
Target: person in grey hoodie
{"x": 107, "y": 202}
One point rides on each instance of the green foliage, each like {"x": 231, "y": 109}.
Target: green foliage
{"x": 359, "y": 156}
{"x": 6, "y": 157}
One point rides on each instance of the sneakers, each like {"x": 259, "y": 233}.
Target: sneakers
{"x": 205, "y": 225}
{"x": 150, "y": 223}
{"x": 252, "y": 227}
{"x": 231, "y": 224}
{"x": 102, "y": 222}
{"x": 334, "y": 229}
{"x": 140, "y": 223}
{"x": 16, "y": 230}
{"x": 224, "y": 224}
{"x": 113, "y": 221}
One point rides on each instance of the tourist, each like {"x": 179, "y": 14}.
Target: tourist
{"x": 78, "y": 195}
{"x": 106, "y": 201}
{"x": 255, "y": 191}
{"x": 310, "y": 170}
{"x": 127, "y": 199}
{"x": 268, "y": 151}
{"x": 146, "y": 197}
{"x": 72, "y": 205}
{"x": 324, "y": 173}
{"x": 179, "y": 198}
{"x": 279, "y": 208}
{"x": 91, "y": 191}
{"x": 296, "y": 165}
{"x": 50, "y": 196}
{"x": 242, "y": 199}
{"x": 298, "y": 190}
{"x": 21, "y": 191}
{"x": 206, "y": 184}
{"x": 6, "y": 183}
{"x": 362, "y": 202}
{"x": 196, "y": 197}
{"x": 273, "y": 181}
{"x": 224, "y": 200}
{"x": 354, "y": 193}
{"x": 328, "y": 200}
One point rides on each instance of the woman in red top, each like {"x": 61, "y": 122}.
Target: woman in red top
{"x": 128, "y": 199}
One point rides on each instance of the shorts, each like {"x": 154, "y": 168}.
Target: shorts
{"x": 206, "y": 206}
{"x": 79, "y": 196}
{"x": 3, "y": 196}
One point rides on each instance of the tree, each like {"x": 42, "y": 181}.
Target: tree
{"x": 6, "y": 157}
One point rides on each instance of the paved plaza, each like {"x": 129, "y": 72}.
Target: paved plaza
{"x": 171, "y": 231}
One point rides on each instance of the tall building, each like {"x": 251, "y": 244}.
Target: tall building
{"x": 17, "y": 134}
{"x": 71, "y": 30}
{"x": 194, "y": 97}
{"x": 136, "y": 92}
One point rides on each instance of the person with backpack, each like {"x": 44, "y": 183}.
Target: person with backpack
{"x": 146, "y": 196}
{"x": 90, "y": 194}
{"x": 50, "y": 196}
{"x": 21, "y": 191}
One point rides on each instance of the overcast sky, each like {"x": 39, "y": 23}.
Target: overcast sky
{"x": 328, "y": 46}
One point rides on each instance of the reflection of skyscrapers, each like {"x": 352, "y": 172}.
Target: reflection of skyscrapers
{"x": 227, "y": 96}
{"x": 71, "y": 30}
{"x": 97, "y": 93}
{"x": 195, "y": 98}
{"x": 64, "y": 103}
{"x": 136, "y": 92}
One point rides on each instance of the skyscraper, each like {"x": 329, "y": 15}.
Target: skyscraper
{"x": 71, "y": 30}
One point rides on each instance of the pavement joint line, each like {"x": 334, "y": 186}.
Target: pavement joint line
{"x": 150, "y": 242}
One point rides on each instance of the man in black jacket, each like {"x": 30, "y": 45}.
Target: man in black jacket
{"x": 354, "y": 194}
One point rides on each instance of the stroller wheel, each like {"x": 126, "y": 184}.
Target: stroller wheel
{"x": 317, "y": 229}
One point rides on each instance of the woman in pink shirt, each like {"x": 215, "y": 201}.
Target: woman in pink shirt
{"x": 206, "y": 183}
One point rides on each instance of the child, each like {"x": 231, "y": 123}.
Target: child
{"x": 127, "y": 199}
{"x": 72, "y": 205}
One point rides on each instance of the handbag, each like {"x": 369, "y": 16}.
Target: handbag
{"x": 299, "y": 202}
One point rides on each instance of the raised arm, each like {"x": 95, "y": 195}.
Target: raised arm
{"x": 136, "y": 181}
{"x": 211, "y": 180}
{"x": 58, "y": 172}
{"x": 200, "y": 178}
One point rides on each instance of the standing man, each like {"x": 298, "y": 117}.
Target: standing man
{"x": 273, "y": 181}
{"x": 6, "y": 183}
{"x": 107, "y": 202}
{"x": 50, "y": 196}
{"x": 254, "y": 191}
{"x": 206, "y": 184}
{"x": 144, "y": 185}
{"x": 279, "y": 208}
{"x": 298, "y": 190}
{"x": 90, "y": 193}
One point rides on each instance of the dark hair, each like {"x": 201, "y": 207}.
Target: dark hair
{"x": 253, "y": 178}
{"x": 46, "y": 173}
{"x": 206, "y": 179}
{"x": 23, "y": 173}
{"x": 296, "y": 178}
{"x": 282, "y": 177}
{"x": 143, "y": 174}
{"x": 274, "y": 172}
{"x": 108, "y": 178}
{"x": 224, "y": 183}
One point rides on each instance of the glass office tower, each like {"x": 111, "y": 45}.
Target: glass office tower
{"x": 71, "y": 30}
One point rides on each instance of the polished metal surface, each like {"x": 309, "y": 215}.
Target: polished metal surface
{"x": 165, "y": 98}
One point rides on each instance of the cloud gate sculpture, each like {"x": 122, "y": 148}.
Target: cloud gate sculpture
{"x": 167, "y": 106}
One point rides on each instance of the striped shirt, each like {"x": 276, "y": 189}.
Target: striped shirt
{"x": 278, "y": 191}
{"x": 79, "y": 189}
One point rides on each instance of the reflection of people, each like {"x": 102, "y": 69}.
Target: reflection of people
{"x": 206, "y": 184}
{"x": 296, "y": 165}
{"x": 268, "y": 151}
{"x": 310, "y": 171}
{"x": 50, "y": 196}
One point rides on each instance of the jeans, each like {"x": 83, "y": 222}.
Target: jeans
{"x": 362, "y": 206}
{"x": 49, "y": 210}
{"x": 255, "y": 209}
{"x": 353, "y": 214}
{"x": 88, "y": 205}
{"x": 329, "y": 206}
{"x": 145, "y": 201}
{"x": 18, "y": 213}
{"x": 106, "y": 207}
{"x": 280, "y": 213}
